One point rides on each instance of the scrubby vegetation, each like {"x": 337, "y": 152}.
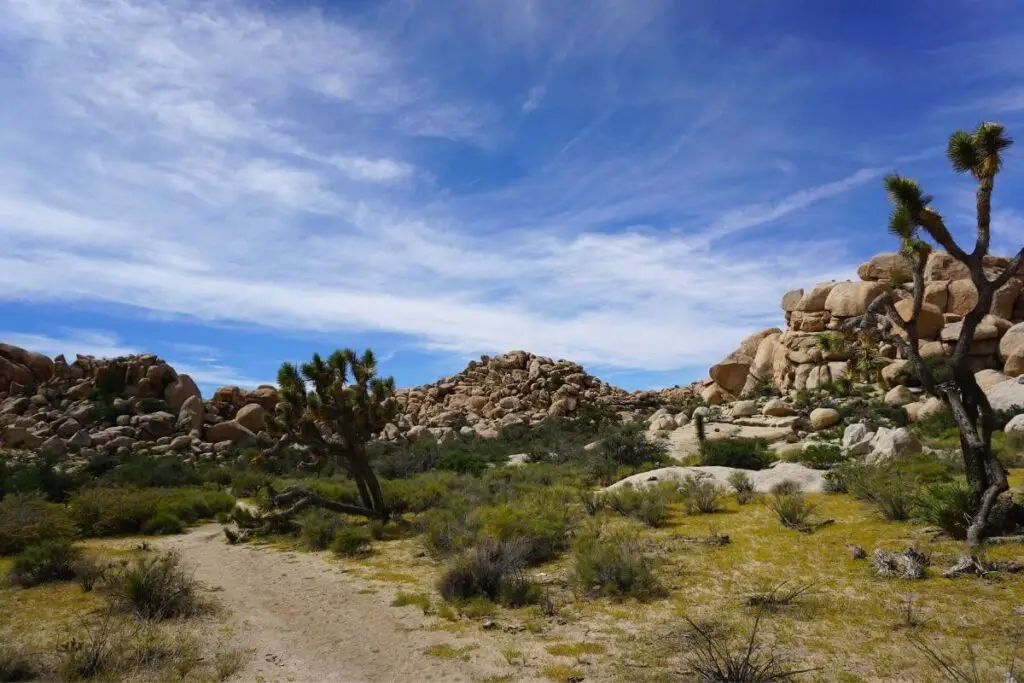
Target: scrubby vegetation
{"x": 744, "y": 454}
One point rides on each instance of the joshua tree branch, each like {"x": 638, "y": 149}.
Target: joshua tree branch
{"x": 1010, "y": 271}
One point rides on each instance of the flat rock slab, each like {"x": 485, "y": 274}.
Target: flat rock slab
{"x": 811, "y": 481}
{"x": 683, "y": 441}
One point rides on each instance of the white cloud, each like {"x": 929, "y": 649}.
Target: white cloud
{"x": 73, "y": 342}
{"x": 214, "y": 161}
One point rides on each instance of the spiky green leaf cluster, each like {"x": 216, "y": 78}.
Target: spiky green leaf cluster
{"x": 979, "y": 152}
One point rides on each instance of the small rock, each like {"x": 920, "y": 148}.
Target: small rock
{"x": 822, "y": 418}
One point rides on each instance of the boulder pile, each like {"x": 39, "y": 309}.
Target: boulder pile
{"x": 795, "y": 359}
{"x": 117, "y": 406}
{"x": 516, "y": 388}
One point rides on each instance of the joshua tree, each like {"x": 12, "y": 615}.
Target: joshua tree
{"x": 333, "y": 407}
{"x": 952, "y": 380}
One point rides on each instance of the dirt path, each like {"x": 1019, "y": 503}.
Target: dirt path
{"x": 307, "y": 621}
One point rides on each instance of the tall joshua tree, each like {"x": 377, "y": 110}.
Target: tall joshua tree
{"x": 979, "y": 153}
{"x": 334, "y": 407}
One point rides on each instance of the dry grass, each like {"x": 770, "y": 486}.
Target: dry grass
{"x": 67, "y": 632}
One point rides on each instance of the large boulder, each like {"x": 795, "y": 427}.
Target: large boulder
{"x": 929, "y": 319}
{"x": 822, "y": 418}
{"x": 1011, "y": 350}
{"x": 922, "y": 410}
{"x": 899, "y": 396}
{"x": 791, "y": 299}
{"x": 892, "y": 443}
{"x": 744, "y": 409}
{"x": 192, "y": 414}
{"x": 1006, "y": 395}
{"x": 814, "y": 300}
{"x": 853, "y": 298}
{"x": 715, "y": 395}
{"x": 775, "y": 407}
{"x": 731, "y": 376}
{"x": 942, "y": 266}
{"x": 40, "y": 367}
{"x": 229, "y": 431}
{"x": 1015, "y": 425}
{"x": 857, "y": 439}
{"x": 156, "y": 425}
{"x": 251, "y": 416}
{"x": 887, "y": 267}
{"x": 179, "y": 391}
{"x": 963, "y": 297}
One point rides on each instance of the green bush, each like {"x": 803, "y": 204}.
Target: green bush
{"x": 936, "y": 425}
{"x": 111, "y": 511}
{"x": 163, "y": 523}
{"x": 948, "y": 506}
{"x": 890, "y": 488}
{"x": 351, "y": 539}
{"x": 628, "y": 445}
{"x": 792, "y": 507}
{"x": 448, "y": 531}
{"x": 156, "y": 588}
{"x": 701, "y": 494}
{"x": 744, "y": 454}
{"x": 743, "y": 486}
{"x": 821, "y": 456}
{"x": 650, "y": 505}
{"x": 44, "y": 562}
{"x": 27, "y": 520}
{"x": 41, "y": 476}
{"x": 834, "y": 481}
{"x": 317, "y": 528}
{"x": 874, "y": 413}
{"x": 614, "y": 565}
{"x": 541, "y": 523}
{"x": 144, "y": 471}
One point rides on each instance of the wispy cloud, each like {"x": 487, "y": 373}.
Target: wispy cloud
{"x": 324, "y": 172}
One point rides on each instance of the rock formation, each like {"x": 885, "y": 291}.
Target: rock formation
{"x": 795, "y": 359}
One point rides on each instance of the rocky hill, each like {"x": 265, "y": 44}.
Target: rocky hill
{"x": 794, "y": 359}
{"x": 120, "y": 405}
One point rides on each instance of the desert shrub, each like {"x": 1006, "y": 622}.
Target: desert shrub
{"x": 44, "y": 562}
{"x": 889, "y": 488}
{"x": 144, "y": 470}
{"x": 163, "y": 523}
{"x": 743, "y": 486}
{"x": 351, "y": 539}
{"x": 791, "y": 506}
{"x": 317, "y": 529}
{"x": 936, "y": 425}
{"x": 16, "y": 666}
{"x": 492, "y": 570}
{"x": 744, "y": 454}
{"x": 26, "y": 520}
{"x": 156, "y": 588}
{"x": 246, "y": 483}
{"x": 89, "y": 571}
{"x": 40, "y": 476}
{"x": 701, "y": 494}
{"x": 821, "y": 456}
{"x": 541, "y": 523}
{"x": 1009, "y": 448}
{"x": 948, "y": 506}
{"x": 650, "y": 505}
{"x": 834, "y": 481}
{"x": 712, "y": 658}
{"x": 872, "y": 412}
{"x": 614, "y": 565}
{"x": 448, "y": 531}
{"x": 628, "y": 445}
{"x": 111, "y": 511}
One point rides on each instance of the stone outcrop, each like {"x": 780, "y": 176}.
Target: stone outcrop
{"x": 794, "y": 358}
{"x": 118, "y": 406}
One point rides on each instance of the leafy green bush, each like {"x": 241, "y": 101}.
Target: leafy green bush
{"x": 541, "y": 523}
{"x": 111, "y": 511}
{"x": 628, "y": 445}
{"x": 318, "y": 528}
{"x": 936, "y": 425}
{"x": 834, "y": 481}
{"x": 821, "y": 456}
{"x": 614, "y": 565}
{"x": 701, "y": 494}
{"x": 872, "y": 412}
{"x": 144, "y": 470}
{"x": 41, "y": 476}
{"x": 27, "y": 520}
{"x": 448, "y": 531}
{"x": 163, "y": 523}
{"x": 650, "y": 505}
{"x": 744, "y": 454}
{"x": 351, "y": 539}
{"x": 492, "y": 570}
{"x": 156, "y": 588}
{"x": 948, "y": 506}
{"x": 44, "y": 562}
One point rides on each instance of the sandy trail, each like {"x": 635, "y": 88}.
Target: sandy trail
{"x": 306, "y": 621}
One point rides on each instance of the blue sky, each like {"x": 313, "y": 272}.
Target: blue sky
{"x": 630, "y": 184}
